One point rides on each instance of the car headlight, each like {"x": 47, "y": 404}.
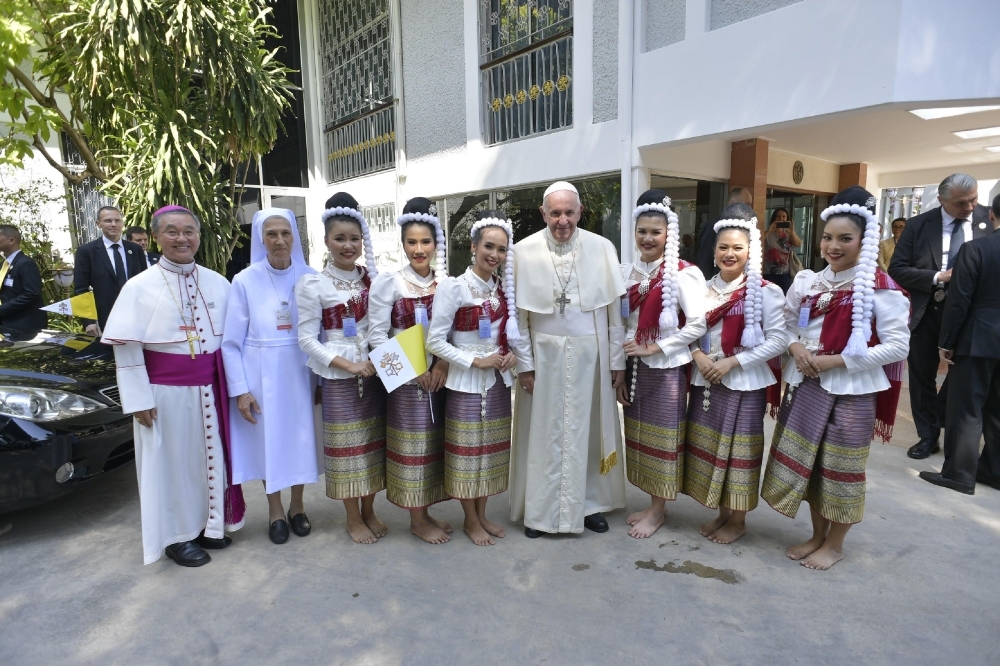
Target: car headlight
{"x": 40, "y": 405}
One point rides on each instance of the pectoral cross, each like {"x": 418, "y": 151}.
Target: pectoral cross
{"x": 191, "y": 337}
{"x": 562, "y": 302}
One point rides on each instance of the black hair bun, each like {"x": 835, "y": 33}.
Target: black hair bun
{"x": 342, "y": 200}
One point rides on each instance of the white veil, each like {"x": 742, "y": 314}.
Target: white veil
{"x": 258, "y": 252}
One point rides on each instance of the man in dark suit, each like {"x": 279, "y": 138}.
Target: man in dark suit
{"x": 921, "y": 264}
{"x": 706, "y": 238}
{"x": 21, "y": 289}
{"x": 105, "y": 264}
{"x": 970, "y": 344}
{"x": 139, "y": 236}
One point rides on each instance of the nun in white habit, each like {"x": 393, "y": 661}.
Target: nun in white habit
{"x": 273, "y": 389}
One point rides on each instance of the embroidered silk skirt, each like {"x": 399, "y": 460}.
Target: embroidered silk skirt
{"x": 818, "y": 453}
{"x": 415, "y": 448}
{"x": 477, "y": 448}
{"x": 654, "y": 429}
{"x": 353, "y": 437}
{"x": 724, "y": 447}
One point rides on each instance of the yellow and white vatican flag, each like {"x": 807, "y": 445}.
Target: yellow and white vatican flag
{"x": 77, "y": 306}
{"x": 401, "y": 359}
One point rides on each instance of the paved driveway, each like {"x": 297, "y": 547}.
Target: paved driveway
{"x": 919, "y": 585}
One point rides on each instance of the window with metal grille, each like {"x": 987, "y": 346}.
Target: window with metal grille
{"x": 84, "y": 199}
{"x": 525, "y": 59}
{"x": 356, "y": 59}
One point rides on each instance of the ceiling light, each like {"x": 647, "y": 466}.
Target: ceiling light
{"x": 993, "y": 149}
{"x": 934, "y": 114}
{"x": 978, "y": 133}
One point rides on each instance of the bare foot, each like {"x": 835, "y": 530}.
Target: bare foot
{"x": 801, "y": 550}
{"x": 359, "y": 531}
{"x": 430, "y": 533}
{"x": 636, "y": 517}
{"x": 377, "y": 527}
{"x": 478, "y": 535}
{"x": 713, "y": 525}
{"x": 648, "y": 525}
{"x": 728, "y": 533}
{"x": 493, "y": 528}
{"x": 440, "y": 524}
{"x": 822, "y": 559}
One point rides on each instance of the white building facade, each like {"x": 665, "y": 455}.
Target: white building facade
{"x": 481, "y": 103}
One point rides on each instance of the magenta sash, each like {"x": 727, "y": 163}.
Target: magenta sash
{"x": 203, "y": 369}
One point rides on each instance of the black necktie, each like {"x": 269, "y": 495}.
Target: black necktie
{"x": 120, "y": 276}
{"x": 957, "y": 238}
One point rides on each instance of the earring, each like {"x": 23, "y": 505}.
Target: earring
{"x": 473, "y": 258}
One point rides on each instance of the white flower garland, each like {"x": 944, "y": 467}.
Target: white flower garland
{"x": 513, "y": 330}
{"x": 366, "y": 235}
{"x": 863, "y": 299}
{"x": 441, "y": 265}
{"x": 753, "y": 304}
{"x": 668, "y": 313}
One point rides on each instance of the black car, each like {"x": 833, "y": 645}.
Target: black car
{"x": 61, "y": 424}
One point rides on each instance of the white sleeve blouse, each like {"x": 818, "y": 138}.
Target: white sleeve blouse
{"x": 862, "y": 375}
{"x": 675, "y": 349}
{"x": 753, "y": 372}
{"x": 313, "y": 294}
{"x": 459, "y": 348}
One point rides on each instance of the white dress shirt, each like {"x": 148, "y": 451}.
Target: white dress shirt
{"x": 947, "y": 225}
{"x": 111, "y": 253}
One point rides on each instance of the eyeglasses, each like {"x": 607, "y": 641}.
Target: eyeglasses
{"x": 173, "y": 234}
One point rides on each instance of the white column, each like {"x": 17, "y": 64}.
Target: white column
{"x": 583, "y": 63}
{"x": 629, "y": 44}
{"x": 697, "y": 17}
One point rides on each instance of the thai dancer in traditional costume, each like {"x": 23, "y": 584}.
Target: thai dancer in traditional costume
{"x": 415, "y": 433}
{"x": 736, "y": 373}
{"x": 848, "y": 326}
{"x": 335, "y": 302}
{"x": 267, "y": 373}
{"x": 665, "y": 309}
{"x": 474, "y": 322}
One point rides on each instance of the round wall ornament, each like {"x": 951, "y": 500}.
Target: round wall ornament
{"x": 798, "y": 171}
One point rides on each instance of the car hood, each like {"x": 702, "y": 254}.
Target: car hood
{"x": 55, "y": 358}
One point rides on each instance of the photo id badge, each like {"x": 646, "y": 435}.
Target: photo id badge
{"x": 804, "y": 316}
{"x": 350, "y": 327}
{"x": 284, "y": 319}
{"x": 485, "y": 328}
{"x": 626, "y": 308}
{"x": 420, "y": 315}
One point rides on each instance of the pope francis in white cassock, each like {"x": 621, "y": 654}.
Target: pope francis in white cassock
{"x": 566, "y": 453}
{"x": 166, "y": 328}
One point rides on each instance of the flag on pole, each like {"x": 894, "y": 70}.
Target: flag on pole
{"x": 77, "y": 306}
{"x": 401, "y": 359}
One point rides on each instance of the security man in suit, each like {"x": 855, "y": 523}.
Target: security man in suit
{"x": 970, "y": 344}
{"x": 105, "y": 264}
{"x": 922, "y": 264}
{"x": 139, "y": 236}
{"x": 21, "y": 288}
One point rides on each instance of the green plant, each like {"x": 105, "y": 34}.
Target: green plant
{"x": 166, "y": 101}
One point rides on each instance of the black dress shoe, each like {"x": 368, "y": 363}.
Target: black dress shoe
{"x": 924, "y": 448}
{"x": 188, "y": 554}
{"x": 945, "y": 482}
{"x": 278, "y": 531}
{"x": 596, "y": 522}
{"x": 213, "y": 544}
{"x": 532, "y": 534}
{"x": 300, "y": 523}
